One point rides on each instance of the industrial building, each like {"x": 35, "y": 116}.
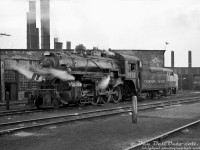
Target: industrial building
{"x": 154, "y": 58}
{"x": 189, "y": 77}
{"x": 16, "y": 84}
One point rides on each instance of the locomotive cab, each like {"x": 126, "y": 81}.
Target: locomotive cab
{"x": 130, "y": 70}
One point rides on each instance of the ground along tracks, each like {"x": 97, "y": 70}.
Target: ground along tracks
{"x": 18, "y": 112}
{"x": 150, "y": 105}
{"x": 10, "y": 127}
{"x": 150, "y": 143}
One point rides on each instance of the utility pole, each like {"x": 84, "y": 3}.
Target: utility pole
{"x": 1, "y": 34}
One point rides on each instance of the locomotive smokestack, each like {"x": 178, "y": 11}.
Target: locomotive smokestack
{"x": 172, "y": 59}
{"x": 189, "y": 59}
{"x": 45, "y": 24}
{"x": 68, "y": 46}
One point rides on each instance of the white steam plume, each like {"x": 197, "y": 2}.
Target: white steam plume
{"x": 104, "y": 83}
{"x": 63, "y": 75}
{"x": 27, "y": 73}
{"x": 118, "y": 81}
{"x": 43, "y": 71}
{"x": 110, "y": 53}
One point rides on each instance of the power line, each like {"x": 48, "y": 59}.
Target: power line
{"x": 4, "y": 34}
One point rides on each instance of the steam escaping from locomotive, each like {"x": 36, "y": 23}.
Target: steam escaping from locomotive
{"x": 43, "y": 71}
{"x": 110, "y": 53}
{"x": 103, "y": 84}
{"x": 63, "y": 75}
{"x": 28, "y": 73}
{"x": 118, "y": 82}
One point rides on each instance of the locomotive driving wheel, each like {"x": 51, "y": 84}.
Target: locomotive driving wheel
{"x": 116, "y": 97}
{"x": 102, "y": 99}
{"x": 95, "y": 101}
{"x": 82, "y": 101}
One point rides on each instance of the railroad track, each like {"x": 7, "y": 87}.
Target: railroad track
{"x": 34, "y": 110}
{"x": 10, "y": 127}
{"x": 18, "y": 112}
{"x": 161, "y": 137}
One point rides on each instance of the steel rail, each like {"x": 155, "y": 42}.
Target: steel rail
{"x": 27, "y": 111}
{"x": 18, "y": 112}
{"x": 164, "y": 135}
{"x": 85, "y": 115}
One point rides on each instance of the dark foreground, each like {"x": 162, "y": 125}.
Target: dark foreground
{"x": 111, "y": 133}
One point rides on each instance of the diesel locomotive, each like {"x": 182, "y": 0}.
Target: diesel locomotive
{"x": 122, "y": 75}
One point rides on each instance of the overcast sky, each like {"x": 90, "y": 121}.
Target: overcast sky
{"x": 115, "y": 24}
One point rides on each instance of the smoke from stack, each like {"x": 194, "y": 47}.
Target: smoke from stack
{"x": 45, "y": 24}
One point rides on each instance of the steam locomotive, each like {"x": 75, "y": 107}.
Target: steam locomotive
{"x": 124, "y": 76}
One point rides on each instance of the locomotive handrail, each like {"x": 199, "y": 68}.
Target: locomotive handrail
{"x": 41, "y": 89}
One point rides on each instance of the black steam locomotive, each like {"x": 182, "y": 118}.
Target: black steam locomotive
{"x": 123, "y": 76}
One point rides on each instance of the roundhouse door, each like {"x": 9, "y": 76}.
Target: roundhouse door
{"x": 13, "y": 92}
{"x": 12, "y": 89}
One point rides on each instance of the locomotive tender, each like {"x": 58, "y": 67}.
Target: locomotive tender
{"x": 126, "y": 74}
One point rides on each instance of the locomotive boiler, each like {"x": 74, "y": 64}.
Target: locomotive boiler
{"x": 88, "y": 72}
{"x": 95, "y": 79}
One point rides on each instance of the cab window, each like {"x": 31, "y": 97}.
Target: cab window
{"x": 132, "y": 67}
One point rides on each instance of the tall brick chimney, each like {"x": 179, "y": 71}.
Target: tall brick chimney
{"x": 68, "y": 45}
{"x": 45, "y": 24}
{"x": 172, "y": 59}
{"x": 32, "y": 31}
{"x": 189, "y": 59}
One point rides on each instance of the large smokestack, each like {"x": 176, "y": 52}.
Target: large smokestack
{"x": 68, "y": 46}
{"x": 32, "y": 31}
{"x": 58, "y": 46}
{"x": 45, "y": 24}
{"x": 55, "y": 41}
{"x": 189, "y": 59}
{"x": 172, "y": 59}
